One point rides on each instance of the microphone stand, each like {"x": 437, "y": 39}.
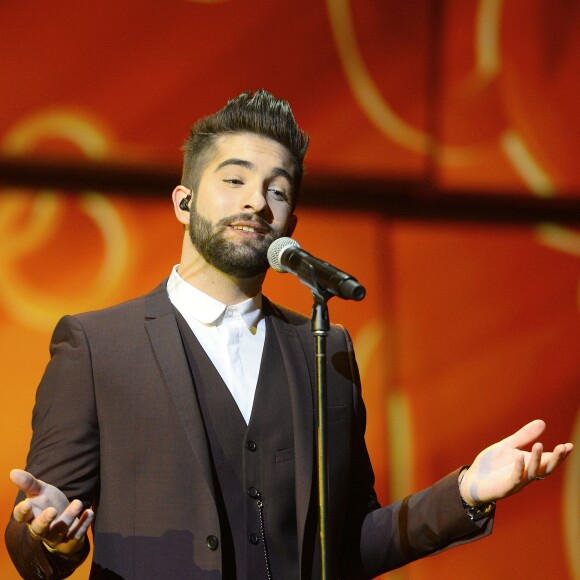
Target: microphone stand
{"x": 320, "y": 326}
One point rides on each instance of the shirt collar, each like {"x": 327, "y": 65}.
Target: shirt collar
{"x": 194, "y": 303}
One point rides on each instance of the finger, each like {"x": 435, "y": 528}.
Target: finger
{"x": 526, "y": 435}
{"x": 80, "y": 528}
{"x": 60, "y": 527}
{"x": 26, "y": 482}
{"x": 22, "y": 511}
{"x": 535, "y": 461}
{"x": 554, "y": 459}
{"x": 40, "y": 525}
{"x": 519, "y": 469}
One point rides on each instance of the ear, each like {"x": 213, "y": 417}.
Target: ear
{"x": 292, "y": 224}
{"x": 177, "y": 196}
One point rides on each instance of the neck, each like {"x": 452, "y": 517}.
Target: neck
{"x": 227, "y": 289}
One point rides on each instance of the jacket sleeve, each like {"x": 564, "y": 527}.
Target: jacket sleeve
{"x": 64, "y": 450}
{"x": 422, "y": 524}
{"x": 388, "y": 537}
{"x": 33, "y": 561}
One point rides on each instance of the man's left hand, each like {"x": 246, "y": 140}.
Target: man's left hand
{"x": 505, "y": 468}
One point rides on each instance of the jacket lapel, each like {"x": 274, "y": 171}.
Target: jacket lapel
{"x": 295, "y": 361}
{"x": 169, "y": 353}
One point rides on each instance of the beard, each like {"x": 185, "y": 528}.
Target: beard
{"x": 239, "y": 259}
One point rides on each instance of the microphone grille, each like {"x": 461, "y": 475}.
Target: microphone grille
{"x": 275, "y": 252}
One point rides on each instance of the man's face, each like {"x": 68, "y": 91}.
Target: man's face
{"x": 243, "y": 203}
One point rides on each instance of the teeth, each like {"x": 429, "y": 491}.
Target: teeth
{"x": 244, "y": 228}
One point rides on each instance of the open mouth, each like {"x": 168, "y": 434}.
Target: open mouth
{"x": 250, "y": 228}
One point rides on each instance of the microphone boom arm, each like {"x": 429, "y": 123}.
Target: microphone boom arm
{"x": 321, "y": 276}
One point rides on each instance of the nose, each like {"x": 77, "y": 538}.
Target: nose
{"x": 256, "y": 200}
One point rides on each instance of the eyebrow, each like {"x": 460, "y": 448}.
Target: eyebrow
{"x": 276, "y": 172}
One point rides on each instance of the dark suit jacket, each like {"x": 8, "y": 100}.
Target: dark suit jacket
{"x": 117, "y": 425}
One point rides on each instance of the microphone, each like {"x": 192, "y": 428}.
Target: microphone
{"x": 286, "y": 255}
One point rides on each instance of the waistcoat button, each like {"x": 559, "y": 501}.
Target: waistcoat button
{"x": 254, "y": 539}
{"x": 253, "y": 493}
{"x": 212, "y": 543}
{"x": 251, "y": 446}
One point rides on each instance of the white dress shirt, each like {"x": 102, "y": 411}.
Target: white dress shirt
{"x": 232, "y": 336}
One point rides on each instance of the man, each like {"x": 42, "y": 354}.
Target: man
{"x": 180, "y": 425}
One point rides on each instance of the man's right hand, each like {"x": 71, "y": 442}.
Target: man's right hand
{"x": 51, "y": 518}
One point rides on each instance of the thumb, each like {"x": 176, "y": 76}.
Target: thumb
{"x": 526, "y": 435}
{"x": 26, "y": 482}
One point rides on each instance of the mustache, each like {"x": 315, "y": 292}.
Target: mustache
{"x": 246, "y": 217}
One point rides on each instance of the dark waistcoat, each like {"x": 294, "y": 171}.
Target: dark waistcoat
{"x": 253, "y": 465}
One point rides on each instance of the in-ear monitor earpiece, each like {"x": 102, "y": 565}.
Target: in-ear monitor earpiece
{"x": 184, "y": 203}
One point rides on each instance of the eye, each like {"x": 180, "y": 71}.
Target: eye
{"x": 278, "y": 193}
{"x": 233, "y": 181}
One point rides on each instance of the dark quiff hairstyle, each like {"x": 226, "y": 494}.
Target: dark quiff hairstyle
{"x": 260, "y": 113}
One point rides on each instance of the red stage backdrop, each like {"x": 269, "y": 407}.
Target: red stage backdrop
{"x": 467, "y": 331}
